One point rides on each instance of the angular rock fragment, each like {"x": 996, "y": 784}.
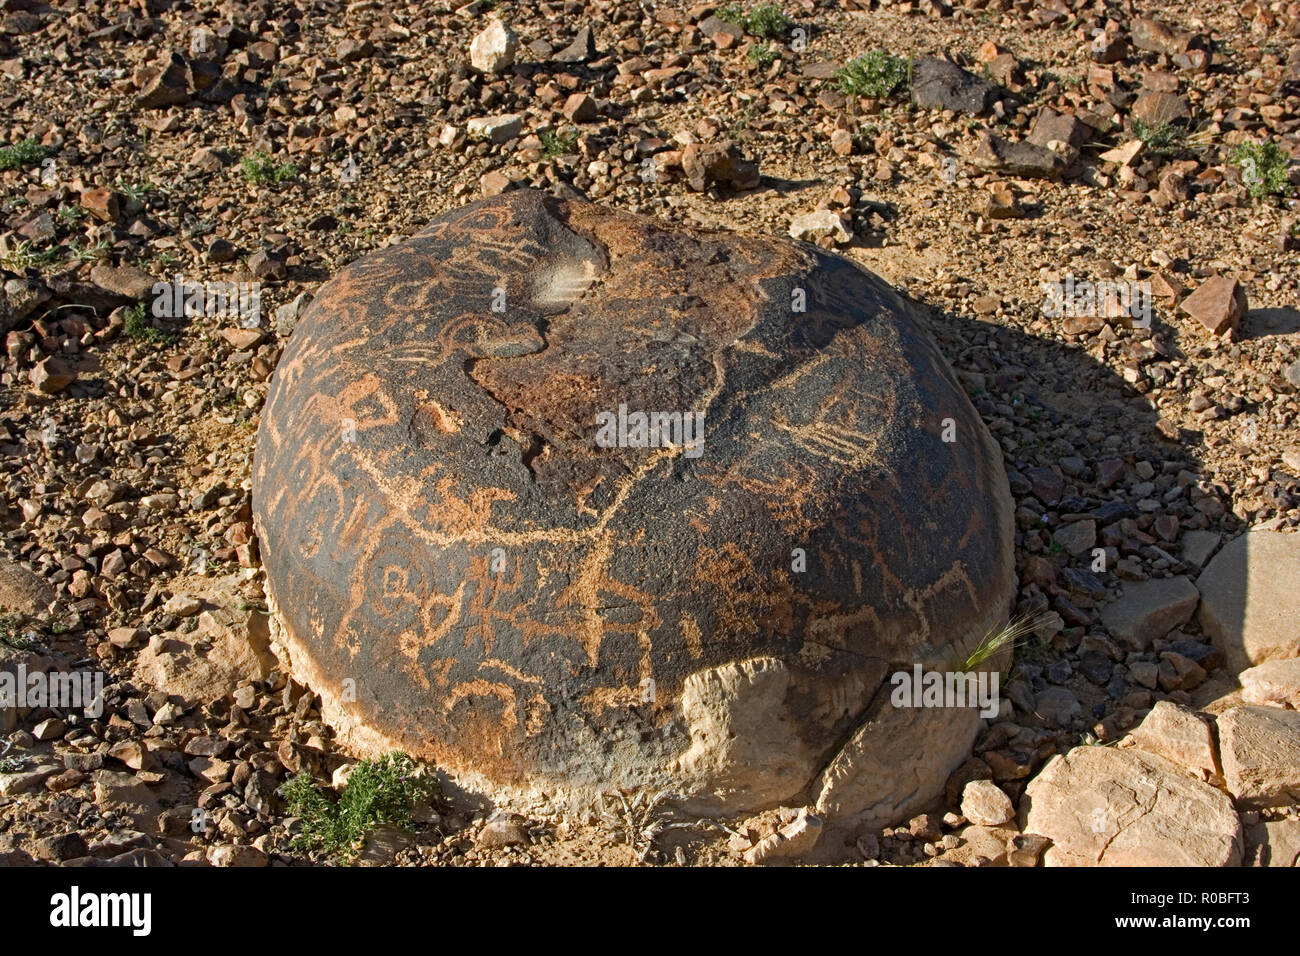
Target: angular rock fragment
{"x": 1260, "y": 749}
{"x": 1106, "y": 807}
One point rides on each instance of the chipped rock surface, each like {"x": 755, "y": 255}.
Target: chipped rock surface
{"x": 1106, "y": 807}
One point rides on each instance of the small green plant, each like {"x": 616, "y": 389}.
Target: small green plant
{"x": 140, "y": 329}
{"x": 382, "y": 791}
{"x": 134, "y": 191}
{"x": 13, "y": 636}
{"x": 1158, "y": 138}
{"x": 24, "y": 254}
{"x": 165, "y": 259}
{"x": 261, "y": 170}
{"x": 70, "y": 215}
{"x": 24, "y": 153}
{"x": 762, "y": 54}
{"x": 89, "y": 253}
{"x": 1263, "y": 168}
{"x": 877, "y": 75}
{"x": 1011, "y": 635}
{"x": 557, "y": 144}
{"x": 12, "y": 764}
{"x": 739, "y": 127}
{"x": 765, "y": 21}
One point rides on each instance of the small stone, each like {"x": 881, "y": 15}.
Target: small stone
{"x": 51, "y": 728}
{"x": 1197, "y": 546}
{"x": 1178, "y": 672}
{"x": 65, "y": 781}
{"x": 1123, "y": 155}
{"x": 1001, "y": 204}
{"x": 51, "y": 375}
{"x": 236, "y": 856}
{"x": 925, "y": 827}
{"x": 818, "y": 224}
{"x": 793, "y": 839}
{"x": 183, "y": 605}
{"x": 1053, "y": 127}
{"x": 287, "y": 315}
{"x": 1218, "y": 304}
{"x": 493, "y": 49}
{"x": 1057, "y": 706}
{"x": 22, "y": 591}
{"x": 580, "y": 108}
{"x": 220, "y": 250}
{"x": 1292, "y": 373}
{"x": 1019, "y": 159}
{"x": 1157, "y": 37}
{"x": 123, "y": 793}
{"x": 163, "y": 84}
{"x": 503, "y": 829}
{"x": 1025, "y": 849}
{"x": 581, "y": 50}
{"x": 133, "y": 754}
{"x": 940, "y": 84}
{"x": 382, "y": 844}
{"x": 496, "y": 129}
{"x": 64, "y": 846}
{"x": 1160, "y": 109}
{"x": 494, "y": 183}
{"x": 241, "y": 339}
{"x": 1077, "y": 537}
{"x": 126, "y": 281}
{"x": 103, "y": 204}
{"x": 124, "y": 636}
{"x": 984, "y": 802}
{"x": 1046, "y": 484}
{"x": 720, "y": 162}
{"x": 264, "y": 264}
{"x": 24, "y": 780}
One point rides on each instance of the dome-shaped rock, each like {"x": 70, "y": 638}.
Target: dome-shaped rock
{"x": 473, "y": 560}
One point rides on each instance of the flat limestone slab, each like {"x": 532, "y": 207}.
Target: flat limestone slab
{"x": 1250, "y": 598}
{"x": 1106, "y": 807}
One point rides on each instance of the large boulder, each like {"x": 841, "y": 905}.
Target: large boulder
{"x": 476, "y": 554}
{"x": 1249, "y": 599}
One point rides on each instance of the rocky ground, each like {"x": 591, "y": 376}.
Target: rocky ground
{"x": 273, "y": 143}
